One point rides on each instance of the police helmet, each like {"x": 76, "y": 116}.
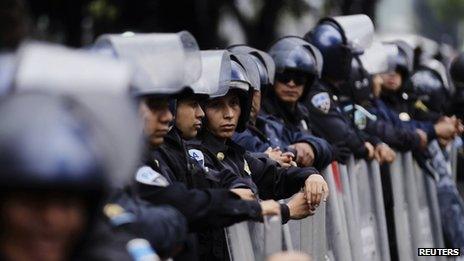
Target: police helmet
{"x": 102, "y": 88}
{"x": 338, "y": 39}
{"x": 358, "y": 87}
{"x": 403, "y": 62}
{"x": 262, "y": 59}
{"x": 239, "y": 81}
{"x": 56, "y": 149}
{"x": 215, "y": 76}
{"x": 294, "y": 54}
{"x": 429, "y": 88}
{"x": 165, "y": 64}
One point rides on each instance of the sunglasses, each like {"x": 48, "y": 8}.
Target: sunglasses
{"x": 297, "y": 77}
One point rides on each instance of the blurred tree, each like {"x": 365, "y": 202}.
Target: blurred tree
{"x": 14, "y": 23}
{"x": 257, "y": 21}
{"x": 448, "y": 10}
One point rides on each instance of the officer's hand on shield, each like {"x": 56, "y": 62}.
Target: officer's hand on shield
{"x": 384, "y": 154}
{"x": 299, "y": 207}
{"x": 270, "y": 208}
{"x": 304, "y": 154}
{"x": 370, "y": 150}
{"x": 445, "y": 128}
{"x": 316, "y": 190}
{"x": 245, "y": 194}
{"x": 423, "y": 139}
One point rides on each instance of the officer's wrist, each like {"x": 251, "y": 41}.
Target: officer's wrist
{"x": 284, "y": 213}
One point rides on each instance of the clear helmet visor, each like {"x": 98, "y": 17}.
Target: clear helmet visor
{"x": 250, "y": 67}
{"x": 264, "y": 57}
{"x": 358, "y": 30}
{"x": 291, "y": 45}
{"x": 164, "y": 63}
{"x": 441, "y": 70}
{"x": 378, "y": 58}
{"x": 216, "y": 73}
{"x": 67, "y": 70}
{"x": 100, "y": 85}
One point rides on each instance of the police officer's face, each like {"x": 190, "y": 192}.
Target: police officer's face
{"x": 223, "y": 114}
{"x": 255, "y": 105}
{"x": 289, "y": 86}
{"x": 41, "y": 226}
{"x": 156, "y": 119}
{"x": 391, "y": 81}
{"x": 188, "y": 117}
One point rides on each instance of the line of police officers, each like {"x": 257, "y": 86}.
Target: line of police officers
{"x": 226, "y": 134}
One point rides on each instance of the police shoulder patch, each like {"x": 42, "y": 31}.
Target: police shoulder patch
{"x": 360, "y": 120}
{"x": 198, "y": 156}
{"x": 321, "y": 101}
{"x": 149, "y": 176}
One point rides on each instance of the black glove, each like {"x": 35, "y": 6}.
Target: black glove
{"x": 341, "y": 152}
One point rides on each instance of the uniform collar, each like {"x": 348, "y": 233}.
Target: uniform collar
{"x": 173, "y": 139}
{"x": 216, "y": 145}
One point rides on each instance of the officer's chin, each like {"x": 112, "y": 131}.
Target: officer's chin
{"x": 156, "y": 141}
{"x": 289, "y": 99}
{"x": 226, "y": 134}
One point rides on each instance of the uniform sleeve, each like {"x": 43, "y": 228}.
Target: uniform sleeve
{"x": 327, "y": 122}
{"x": 203, "y": 209}
{"x": 427, "y": 127}
{"x": 228, "y": 179}
{"x": 275, "y": 182}
{"x": 370, "y": 137}
{"x": 401, "y": 139}
{"x": 249, "y": 142}
{"x": 322, "y": 149}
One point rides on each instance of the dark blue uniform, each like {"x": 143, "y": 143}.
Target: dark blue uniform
{"x": 129, "y": 217}
{"x": 329, "y": 122}
{"x": 384, "y": 112}
{"x": 272, "y": 181}
{"x": 198, "y": 193}
{"x": 270, "y": 132}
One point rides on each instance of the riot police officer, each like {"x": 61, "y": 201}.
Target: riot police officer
{"x": 71, "y": 115}
{"x": 52, "y": 199}
{"x": 265, "y": 133}
{"x": 228, "y": 111}
{"x": 396, "y": 81}
{"x": 431, "y": 91}
{"x": 337, "y": 44}
{"x": 371, "y": 119}
{"x": 155, "y": 181}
